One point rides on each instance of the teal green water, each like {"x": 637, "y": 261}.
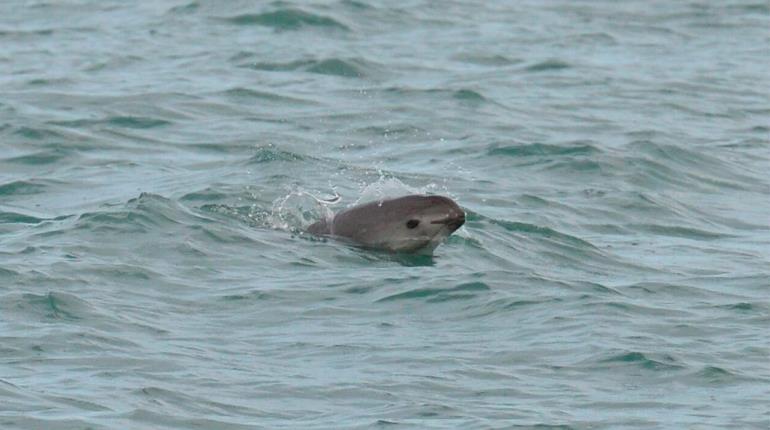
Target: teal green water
{"x": 159, "y": 160}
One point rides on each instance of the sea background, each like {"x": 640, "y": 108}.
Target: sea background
{"x": 159, "y": 159}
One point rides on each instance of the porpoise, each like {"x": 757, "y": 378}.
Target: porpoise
{"x": 414, "y": 223}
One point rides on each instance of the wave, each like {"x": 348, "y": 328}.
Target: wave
{"x": 246, "y": 94}
{"x": 269, "y": 154}
{"x": 49, "y": 156}
{"x": 50, "y": 306}
{"x": 122, "y": 121}
{"x": 8, "y": 273}
{"x": 25, "y": 187}
{"x": 345, "y": 68}
{"x": 649, "y": 361}
{"x": 434, "y": 295}
{"x": 548, "y": 66}
{"x": 17, "y": 218}
{"x": 462, "y": 94}
{"x": 142, "y": 214}
{"x": 287, "y": 19}
{"x": 542, "y": 149}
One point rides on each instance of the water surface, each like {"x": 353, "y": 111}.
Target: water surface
{"x": 159, "y": 161}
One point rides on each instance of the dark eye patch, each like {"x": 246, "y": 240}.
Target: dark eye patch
{"x": 412, "y": 223}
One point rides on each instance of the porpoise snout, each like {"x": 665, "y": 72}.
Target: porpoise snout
{"x": 457, "y": 221}
{"x": 454, "y": 219}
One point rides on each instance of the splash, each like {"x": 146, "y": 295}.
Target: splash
{"x": 387, "y": 188}
{"x": 298, "y": 209}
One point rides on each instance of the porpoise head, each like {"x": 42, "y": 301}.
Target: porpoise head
{"x": 414, "y": 223}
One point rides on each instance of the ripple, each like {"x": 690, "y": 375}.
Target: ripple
{"x": 500, "y": 307}
{"x": 135, "y": 122}
{"x": 644, "y": 361}
{"x": 17, "y": 218}
{"x": 31, "y": 422}
{"x": 280, "y": 67}
{"x": 269, "y": 154}
{"x": 206, "y": 195}
{"x": 744, "y": 307}
{"x": 677, "y": 154}
{"x": 545, "y": 232}
{"x": 547, "y": 66}
{"x": 143, "y": 214}
{"x": 712, "y": 375}
{"x": 469, "y": 95}
{"x": 251, "y": 296}
{"x": 49, "y": 156}
{"x": 653, "y": 165}
{"x": 17, "y": 188}
{"x": 462, "y": 95}
{"x": 600, "y": 38}
{"x": 246, "y": 94}
{"x": 393, "y": 130}
{"x": 26, "y": 33}
{"x": 461, "y": 292}
{"x": 37, "y": 133}
{"x": 759, "y": 8}
{"x": 346, "y": 68}
{"x": 716, "y": 376}
{"x": 542, "y": 149}
{"x": 185, "y": 9}
{"x": 337, "y": 67}
{"x": 123, "y": 221}
{"x": 7, "y": 273}
{"x": 487, "y": 60}
{"x": 668, "y": 289}
{"x": 678, "y": 231}
{"x": 51, "y": 306}
{"x": 287, "y": 19}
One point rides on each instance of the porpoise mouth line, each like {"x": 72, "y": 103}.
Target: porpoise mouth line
{"x": 450, "y": 220}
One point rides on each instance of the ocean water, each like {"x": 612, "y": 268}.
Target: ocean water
{"x": 160, "y": 159}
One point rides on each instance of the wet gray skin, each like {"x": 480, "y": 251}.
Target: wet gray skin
{"x": 414, "y": 223}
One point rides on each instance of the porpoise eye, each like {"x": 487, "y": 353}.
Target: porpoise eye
{"x": 412, "y": 223}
